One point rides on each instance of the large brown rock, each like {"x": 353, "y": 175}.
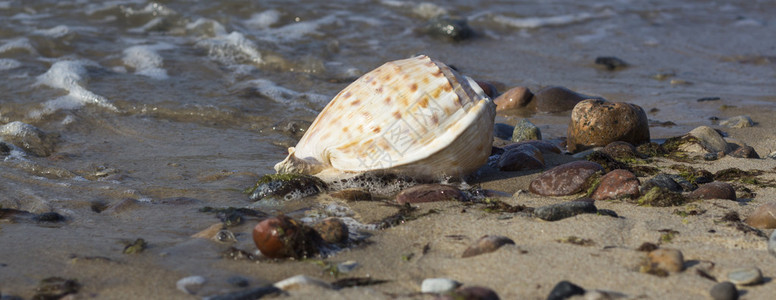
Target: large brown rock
{"x": 596, "y": 123}
{"x": 566, "y": 179}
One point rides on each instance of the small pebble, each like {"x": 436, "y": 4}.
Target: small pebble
{"x": 190, "y": 285}
{"x": 430, "y": 193}
{"x": 281, "y": 237}
{"x": 31, "y": 139}
{"x": 714, "y": 190}
{"x": 565, "y": 290}
{"x": 738, "y": 122}
{"x": 521, "y": 158}
{"x": 566, "y": 179}
{"x": 670, "y": 260}
{"x": 745, "y": 276}
{"x": 611, "y": 63}
{"x": 486, "y": 244}
{"x": 488, "y": 88}
{"x": 503, "y": 131}
{"x": 710, "y": 156}
{"x": 449, "y": 28}
{"x": 772, "y": 243}
{"x": 621, "y": 150}
{"x": 347, "y": 266}
{"x": 299, "y": 281}
{"x": 745, "y": 152}
{"x": 332, "y": 230}
{"x": 516, "y": 97}
{"x": 724, "y": 291}
{"x": 764, "y": 217}
{"x": 525, "y": 131}
{"x": 707, "y": 140}
{"x": 604, "y": 295}
{"x": 662, "y": 180}
{"x": 438, "y": 285}
{"x": 559, "y": 211}
{"x": 471, "y": 293}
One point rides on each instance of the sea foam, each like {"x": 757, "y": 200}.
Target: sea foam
{"x": 536, "y": 22}
{"x": 146, "y": 61}
{"x": 71, "y": 76}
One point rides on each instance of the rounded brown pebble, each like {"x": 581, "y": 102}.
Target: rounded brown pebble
{"x": 724, "y": 291}
{"x": 670, "y": 260}
{"x": 557, "y": 99}
{"x": 714, "y": 190}
{"x": 515, "y": 97}
{"x": 487, "y": 244}
{"x": 764, "y": 217}
{"x": 596, "y": 123}
{"x": 523, "y": 157}
{"x": 566, "y": 179}
{"x": 617, "y": 184}
{"x": 744, "y": 152}
{"x": 332, "y": 230}
{"x": 430, "y": 193}
{"x": 488, "y": 88}
{"x": 281, "y": 237}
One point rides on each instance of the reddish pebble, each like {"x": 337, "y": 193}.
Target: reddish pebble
{"x": 430, "y": 193}
{"x": 488, "y": 88}
{"x": 487, "y": 244}
{"x": 566, "y": 179}
{"x": 714, "y": 190}
{"x": 516, "y": 97}
{"x": 617, "y": 184}
{"x": 282, "y": 237}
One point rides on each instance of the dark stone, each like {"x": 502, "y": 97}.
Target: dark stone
{"x": 596, "y": 123}
{"x": 332, "y": 230}
{"x": 606, "y": 161}
{"x": 558, "y": 99}
{"x": 292, "y": 128}
{"x": 558, "y": 211}
{"x": 710, "y": 156}
{"x": 249, "y": 294}
{"x": 286, "y": 186}
{"x": 5, "y": 150}
{"x": 487, "y": 244}
{"x": 566, "y": 179}
{"x": 543, "y": 146}
{"x": 611, "y": 63}
{"x": 430, "y": 193}
{"x": 565, "y": 290}
{"x": 661, "y": 180}
{"x": 49, "y": 217}
{"x": 503, "y": 131}
{"x": 745, "y": 152}
{"x": 724, "y": 291}
{"x": 516, "y": 97}
{"x": 238, "y": 281}
{"x": 617, "y": 184}
{"x": 521, "y": 158}
{"x": 449, "y": 28}
{"x": 488, "y": 88}
{"x": 621, "y": 150}
{"x": 282, "y": 237}
{"x": 471, "y": 293}
{"x": 56, "y": 288}
{"x": 686, "y": 185}
{"x": 714, "y": 190}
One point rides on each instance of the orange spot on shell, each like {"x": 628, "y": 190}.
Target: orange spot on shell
{"x": 355, "y": 102}
{"x": 376, "y": 129}
{"x": 388, "y": 100}
{"x": 347, "y": 94}
{"x": 397, "y": 114}
{"x": 423, "y": 102}
{"x": 414, "y": 87}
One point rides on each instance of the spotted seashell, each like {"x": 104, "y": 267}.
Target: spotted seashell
{"x": 416, "y": 117}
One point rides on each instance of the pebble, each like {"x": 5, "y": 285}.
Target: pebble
{"x": 617, "y": 184}
{"x": 251, "y": 293}
{"x": 210, "y": 232}
{"x": 558, "y": 211}
{"x": 438, "y": 285}
{"x": 286, "y": 186}
{"x": 449, "y": 28}
{"x": 707, "y": 140}
{"x": 745, "y": 276}
{"x": 611, "y": 63}
{"x": 764, "y": 217}
{"x": 621, "y": 150}
{"x": 27, "y": 137}
{"x": 352, "y": 194}
{"x": 299, "y": 281}
{"x": 347, "y": 266}
{"x": 281, "y": 237}
{"x": 566, "y": 179}
{"x": 604, "y": 295}
{"x": 503, "y": 131}
{"x": 525, "y": 131}
{"x": 738, "y": 122}
{"x": 714, "y": 190}
{"x": 661, "y": 180}
{"x": 599, "y": 122}
{"x": 5, "y": 150}
{"x": 515, "y": 97}
{"x": 558, "y": 99}
{"x": 564, "y": 290}
{"x": 190, "y": 285}
{"x": 430, "y": 193}
{"x": 744, "y": 152}
{"x": 332, "y": 230}
{"x": 488, "y": 88}
{"x": 521, "y": 158}
{"x": 486, "y": 244}
{"x": 724, "y": 291}
{"x": 772, "y": 243}
{"x": 670, "y": 260}
{"x": 543, "y": 146}
{"x": 471, "y": 293}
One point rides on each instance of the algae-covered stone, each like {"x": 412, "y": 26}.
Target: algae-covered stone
{"x": 661, "y": 197}
{"x": 286, "y": 186}
{"x": 525, "y": 130}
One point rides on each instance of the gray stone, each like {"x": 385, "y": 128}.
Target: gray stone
{"x": 709, "y": 140}
{"x": 27, "y": 137}
{"x": 663, "y": 181}
{"x": 525, "y": 130}
{"x": 438, "y": 285}
{"x": 564, "y": 290}
{"x": 745, "y": 276}
{"x": 724, "y": 291}
{"x": 772, "y": 243}
{"x": 190, "y": 285}
{"x": 564, "y": 210}
{"x": 503, "y": 131}
{"x": 738, "y": 122}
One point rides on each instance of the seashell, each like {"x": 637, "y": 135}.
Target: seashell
{"x": 415, "y": 116}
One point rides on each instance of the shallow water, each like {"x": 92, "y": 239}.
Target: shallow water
{"x": 158, "y": 100}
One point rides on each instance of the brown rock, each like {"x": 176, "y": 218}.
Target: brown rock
{"x": 486, "y": 244}
{"x": 596, "y": 123}
{"x": 488, "y": 88}
{"x": 670, "y": 260}
{"x": 744, "y": 152}
{"x": 515, "y": 97}
{"x": 430, "y": 193}
{"x": 714, "y": 190}
{"x": 566, "y": 179}
{"x": 621, "y": 150}
{"x": 332, "y": 230}
{"x": 523, "y": 157}
{"x": 764, "y": 217}
{"x": 470, "y": 293}
{"x": 557, "y": 99}
{"x": 281, "y": 237}
{"x": 617, "y": 184}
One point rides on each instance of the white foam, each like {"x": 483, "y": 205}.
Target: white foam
{"x": 429, "y": 10}
{"x": 54, "y": 32}
{"x": 146, "y": 61}
{"x": 233, "y": 47}
{"x": 8, "y": 64}
{"x": 69, "y": 75}
{"x": 284, "y": 95}
{"x": 536, "y": 22}
{"x": 263, "y": 20}
{"x": 18, "y": 44}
